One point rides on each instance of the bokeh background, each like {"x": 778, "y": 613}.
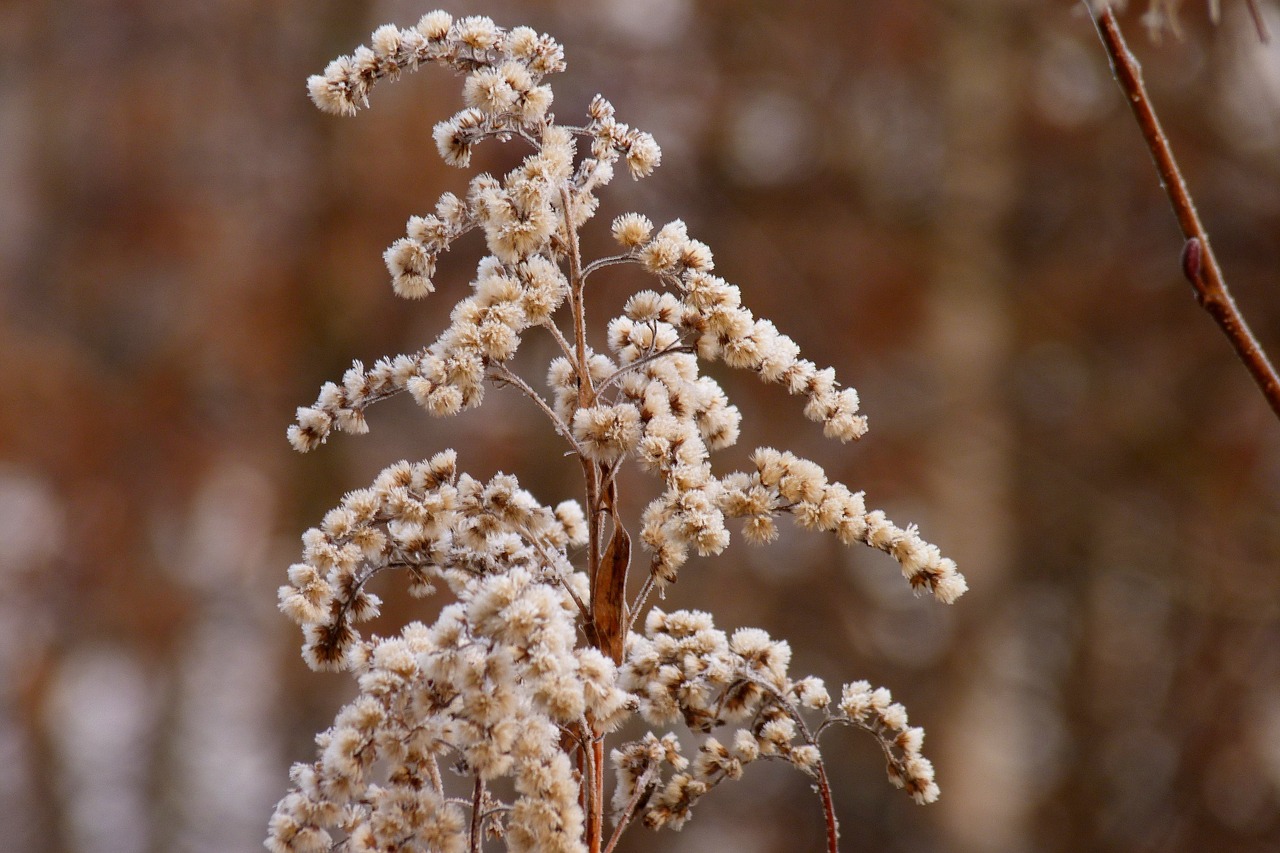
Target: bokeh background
{"x": 948, "y": 201}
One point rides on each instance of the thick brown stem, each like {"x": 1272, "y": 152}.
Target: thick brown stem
{"x": 589, "y": 770}
{"x": 586, "y": 393}
{"x": 1199, "y": 264}
{"x": 477, "y": 801}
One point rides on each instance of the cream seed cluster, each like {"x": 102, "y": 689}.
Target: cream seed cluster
{"x": 684, "y": 669}
{"x": 437, "y": 526}
{"x": 485, "y": 691}
{"x": 491, "y": 722}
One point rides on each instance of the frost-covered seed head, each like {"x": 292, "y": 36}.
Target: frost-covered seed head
{"x": 508, "y": 682}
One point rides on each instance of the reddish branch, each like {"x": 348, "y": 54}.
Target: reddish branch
{"x": 1198, "y": 262}
{"x": 828, "y": 810}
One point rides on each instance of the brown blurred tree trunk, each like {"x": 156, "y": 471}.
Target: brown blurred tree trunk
{"x": 45, "y": 828}
{"x": 970, "y": 336}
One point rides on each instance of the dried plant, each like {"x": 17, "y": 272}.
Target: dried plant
{"x": 537, "y": 659}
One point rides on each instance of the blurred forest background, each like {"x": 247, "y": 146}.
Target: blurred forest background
{"x": 947, "y": 201}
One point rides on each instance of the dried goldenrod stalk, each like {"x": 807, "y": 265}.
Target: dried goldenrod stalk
{"x": 519, "y": 680}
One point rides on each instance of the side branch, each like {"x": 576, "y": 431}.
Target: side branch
{"x": 1199, "y": 264}
{"x": 652, "y": 355}
{"x": 503, "y": 374}
{"x": 644, "y": 788}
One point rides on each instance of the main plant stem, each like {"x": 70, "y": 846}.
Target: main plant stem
{"x": 1199, "y": 264}
{"x": 477, "y": 820}
{"x": 591, "y": 472}
{"x": 586, "y": 389}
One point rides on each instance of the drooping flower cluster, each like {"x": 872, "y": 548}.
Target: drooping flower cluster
{"x": 876, "y": 712}
{"x": 506, "y": 65}
{"x": 784, "y": 482}
{"x": 432, "y": 523}
{"x": 524, "y": 675}
{"x": 684, "y": 668}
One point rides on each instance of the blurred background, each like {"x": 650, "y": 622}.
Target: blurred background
{"x": 947, "y": 201}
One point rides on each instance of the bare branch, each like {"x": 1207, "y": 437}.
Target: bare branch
{"x": 1199, "y": 264}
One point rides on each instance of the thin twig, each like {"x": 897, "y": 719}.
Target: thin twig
{"x": 1199, "y": 264}
{"x": 496, "y": 810}
{"x": 584, "y": 793}
{"x": 824, "y": 786}
{"x": 505, "y": 374}
{"x": 642, "y": 361}
{"x": 643, "y": 786}
{"x": 597, "y": 779}
{"x": 433, "y": 773}
{"x": 560, "y": 339}
{"x": 607, "y": 261}
{"x": 641, "y": 597}
{"x": 551, "y": 563}
{"x": 609, "y": 472}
